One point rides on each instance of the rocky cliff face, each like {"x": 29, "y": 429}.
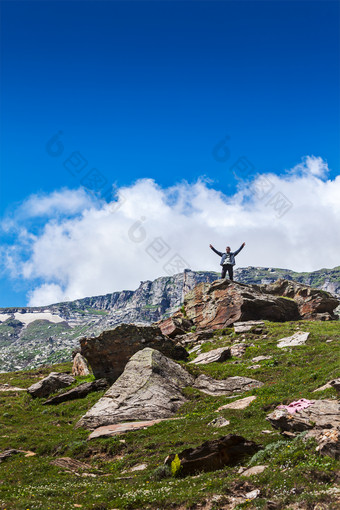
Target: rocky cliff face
{"x": 30, "y": 337}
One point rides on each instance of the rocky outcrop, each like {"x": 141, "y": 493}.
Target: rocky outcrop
{"x": 320, "y": 414}
{"x": 108, "y": 353}
{"x": 53, "y": 382}
{"x": 80, "y": 366}
{"x": 222, "y": 303}
{"x": 212, "y": 455}
{"x": 149, "y": 388}
{"x": 80, "y": 391}
{"x": 312, "y": 303}
{"x": 229, "y": 386}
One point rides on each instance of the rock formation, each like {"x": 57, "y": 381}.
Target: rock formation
{"x": 212, "y": 455}
{"x": 53, "y": 382}
{"x": 222, "y": 303}
{"x": 108, "y": 353}
{"x": 149, "y": 388}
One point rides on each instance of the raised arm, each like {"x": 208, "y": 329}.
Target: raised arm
{"x": 217, "y": 252}
{"x": 240, "y": 248}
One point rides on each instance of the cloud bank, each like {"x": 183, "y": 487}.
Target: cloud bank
{"x": 84, "y": 247}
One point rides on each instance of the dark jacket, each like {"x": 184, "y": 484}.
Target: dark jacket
{"x": 224, "y": 255}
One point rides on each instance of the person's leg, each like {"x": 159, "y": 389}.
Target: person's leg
{"x": 224, "y": 270}
{"x": 231, "y": 272}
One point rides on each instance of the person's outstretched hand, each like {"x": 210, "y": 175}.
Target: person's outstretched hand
{"x": 210, "y": 245}
{"x": 243, "y": 245}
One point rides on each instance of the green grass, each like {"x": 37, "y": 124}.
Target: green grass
{"x": 296, "y": 473}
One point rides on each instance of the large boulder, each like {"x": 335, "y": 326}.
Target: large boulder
{"x": 149, "y": 389}
{"x": 212, "y": 455}
{"x": 53, "y": 382}
{"x": 312, "y": 303}
{"x": 109, "y": 352}
{"x": 319, "y": 414}
{"x": 222, "y": 303}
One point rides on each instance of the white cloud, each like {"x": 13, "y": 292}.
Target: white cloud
{"x": 109, "y": 247}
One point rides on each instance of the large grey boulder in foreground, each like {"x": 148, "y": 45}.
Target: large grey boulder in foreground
{"x": 229, "y": 386}
{"x": 149, "y": 388}
{"x": 111, "y": 350}
{"x": 53, "y": 382}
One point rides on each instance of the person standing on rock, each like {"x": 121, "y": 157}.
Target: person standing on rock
{"x": 227, "y": 260}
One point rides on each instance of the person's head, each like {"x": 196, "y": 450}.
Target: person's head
{"x": 227, "y": 249}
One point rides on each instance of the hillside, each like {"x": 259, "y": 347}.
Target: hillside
{"x": 30, "y": 337}
{"x": 127, "y": 472}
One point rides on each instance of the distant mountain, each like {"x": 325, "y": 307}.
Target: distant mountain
{"x": 32, "y": 336}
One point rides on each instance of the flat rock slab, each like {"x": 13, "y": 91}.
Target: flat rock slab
{"x": 7, "y": 387}
{"x": 324, "y": 387}
{"x": 149, "y": 389}
{"x": 221, "y": 354}
{"x": 228, "y": 386}
{"x": 212, "y": 455}
{"x": 243, "y": 327}
{"x": 123, "y": 428}
{"x": 255, "y": 470}
{"x": 108, "y": 353}
{"x": 261, "y": 358}
{"x": 242, "y": 403}
{"x": 53, "y": 382}
{"x": 10, "y": 452}
{"x": 80, "y": 391}
{"x": 322, "y": 414}
{"x": 298, "y": 338}
{"x": 328, "y": 441}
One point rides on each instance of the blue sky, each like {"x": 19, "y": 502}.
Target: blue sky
{"x": 147, "y": 90}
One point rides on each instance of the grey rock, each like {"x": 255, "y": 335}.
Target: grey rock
{"x": 241, "y": 403}
{"x": 328, "y": 441}
{"x": 221, "y": 354}
{"x": 261, "y": 358}
{"x": 229, "y": 386}
{"x": 149, "y": 388}
{"x": 255, "y": 470}
{"x": 80, "y": 391}
{"x": 322, "y": 414}
{"x": 8, "y": 387}
{"x": 53, "y": 382}
{"x": 299, "y": 338}
{"x": 219, "y": 422}
{"x": 243, "y": 327}
{"x": 123, "y": 428}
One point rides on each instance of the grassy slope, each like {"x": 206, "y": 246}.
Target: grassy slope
{"x": 295, "y": 473}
